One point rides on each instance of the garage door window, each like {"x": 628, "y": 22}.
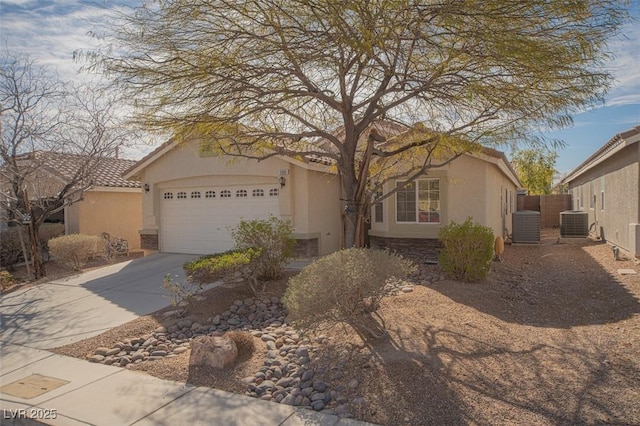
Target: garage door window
{"x": 210, "y": 194}
{"x": 168, "y": 196}
{"x": 258, "y": 193}
{"x": 241, "y": 193}
{"x": 273, "y": 192}
{"x": 225, "y": 193}
{"x": 181, "y": 195}
{"x": 195, "y": 194}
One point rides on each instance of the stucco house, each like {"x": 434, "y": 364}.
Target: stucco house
{"x": 191, "y": 200}
{"x": 481, "y": 185}
{"x": 111, "y": 204}
{"x": 607, "y": 186}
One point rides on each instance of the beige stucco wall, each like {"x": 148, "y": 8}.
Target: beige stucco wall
{"x": 72, "y": 219}
{"x": 469, "y": 187}
{"x": 324, "y": 208}
{"x": 118, "y": 213}
{"x": 299, "y": 198}
{"x": 619, "y": 176}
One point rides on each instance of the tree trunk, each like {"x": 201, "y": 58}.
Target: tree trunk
{"x": 39, "y": 270}
{"x": 354, "y": 214}
{"x": 33, "y": 227}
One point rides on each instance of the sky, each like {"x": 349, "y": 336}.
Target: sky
{"x": 50, "y": 31}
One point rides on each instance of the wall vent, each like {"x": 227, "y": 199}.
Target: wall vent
{"x": 574, "y": 224}
{"x": 526, "y": 227}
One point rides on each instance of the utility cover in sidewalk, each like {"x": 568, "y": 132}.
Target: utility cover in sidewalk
{"x": 32, "y": 386}
{"x": 627, "y": 271}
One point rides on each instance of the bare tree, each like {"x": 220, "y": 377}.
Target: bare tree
{"x": 313, "y": 77}
{"x": 40, "y": 113}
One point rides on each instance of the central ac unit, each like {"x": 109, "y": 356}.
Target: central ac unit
{"x": 574, "y": 224}
{"x": 526, "y": 227}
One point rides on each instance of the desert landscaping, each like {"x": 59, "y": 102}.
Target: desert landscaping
{"x": 552, "y": 336}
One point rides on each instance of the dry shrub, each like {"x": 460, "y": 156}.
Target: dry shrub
{"x": 244, "y": 341}
{"x": 345, "y": 286}
{"x": 74, "y": 250}
{"x": 10, "y": 249}
{"x": 6, "y": 280}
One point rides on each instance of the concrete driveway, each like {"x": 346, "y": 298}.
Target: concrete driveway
{"x": 71, "y": 309}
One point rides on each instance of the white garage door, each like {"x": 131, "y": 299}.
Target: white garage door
{"x": 199, "y": 220}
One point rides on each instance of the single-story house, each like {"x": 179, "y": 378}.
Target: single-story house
{"x": 607, "y": 186}
{"x": 481, "y": 185}
{"x": 192, "y": 199}
{"x": 111, "y": 204}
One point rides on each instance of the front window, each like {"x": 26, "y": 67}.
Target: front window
{"x": 418, "y": 202}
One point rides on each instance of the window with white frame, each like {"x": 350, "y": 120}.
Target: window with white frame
{"x": 182, "y": 195}
{"x": 195, "y": 194}
{"x": 210, "y": 194}
{"x": 241, "y": 193}
{"x": 273, "y": 192}
{"x": 225, "y": 193}
{"x": 418, "y": 201}
{"x": 168, "y": 195}
{"x": 257, "y": 193}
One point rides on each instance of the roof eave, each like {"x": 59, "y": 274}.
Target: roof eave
{"x": 613, "y": 145}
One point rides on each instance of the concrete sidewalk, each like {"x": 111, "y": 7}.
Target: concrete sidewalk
{"x": 59, "y": 390}
{"x": 97, "y": 394}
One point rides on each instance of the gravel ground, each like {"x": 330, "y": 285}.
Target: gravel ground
{"x": 551, "y": 337}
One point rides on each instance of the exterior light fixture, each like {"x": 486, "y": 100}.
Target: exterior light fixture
{"x": 282, "y": 181}
{"x": 146, "y": 187}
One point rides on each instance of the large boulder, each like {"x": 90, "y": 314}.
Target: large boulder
{"x": 213, "y": 351}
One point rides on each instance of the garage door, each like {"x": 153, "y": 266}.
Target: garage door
{"x": 199, "y": 220}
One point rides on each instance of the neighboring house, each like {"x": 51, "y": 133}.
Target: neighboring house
{"x": 191, "y": 200}
{"x": 111, "y": 204}
{"x": 480, "y": 185}
{"x": 607, "y": 186}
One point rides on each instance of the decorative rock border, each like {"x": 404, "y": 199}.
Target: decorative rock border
{"x": 291, "y": 373}
{"x": 287, "y": 375}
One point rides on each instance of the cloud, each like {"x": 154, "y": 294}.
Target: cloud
{"x": 626, "y": 64}
{"x": 50, "y": 31}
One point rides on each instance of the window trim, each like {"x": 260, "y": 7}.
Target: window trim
{"x": 602, "y": 194}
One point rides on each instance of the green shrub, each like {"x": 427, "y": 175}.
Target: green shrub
{"x": 262, "y": 250}
{"x": 467, "y": 250}
{"x": 214, "y": 267}
{"x": 74, "y": 250}
{"x": 273, "y": 238}
{"x": 345, "y": 286}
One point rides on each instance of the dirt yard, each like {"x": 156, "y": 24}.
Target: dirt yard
{"x": 551, "y": 337}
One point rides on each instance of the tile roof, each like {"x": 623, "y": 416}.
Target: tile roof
{"x": 107, "y": 170}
